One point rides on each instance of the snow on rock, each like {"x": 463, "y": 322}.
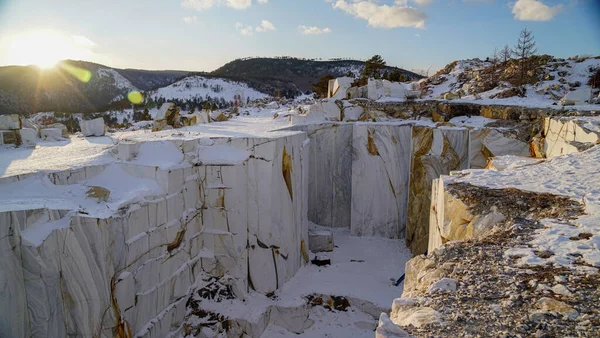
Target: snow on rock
{"x": 577, "y": 97}
{"x": 163, "y": 154}
{"x": 203, "y": 87}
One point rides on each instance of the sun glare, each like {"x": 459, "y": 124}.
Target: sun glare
{"x": 45, "y": 48}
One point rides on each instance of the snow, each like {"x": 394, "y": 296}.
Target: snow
{"x": 119, "y": 80}
{"x": 361, "y": 267}
{"x": 471, "y": 121}
{"x": 162, "y": 154}
{"x": 575, "y": 175}
{"x": 327, "y": 323}
{"x": 38, "y": 192}
{"x": 39, "y": 231}
{"x": 53, "y": 156}
{"x": 575, "y": 72}
{"x": 202, "y": 87}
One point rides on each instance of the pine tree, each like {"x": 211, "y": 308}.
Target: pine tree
{"x": 525, "y": 49}
{"x": 373, "y": 68}
{"x": 322, "y": 86}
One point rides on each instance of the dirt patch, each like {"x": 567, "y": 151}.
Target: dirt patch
{"x": 514, "y": 203}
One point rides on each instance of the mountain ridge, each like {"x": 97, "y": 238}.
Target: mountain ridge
{"x": 28, "y": 89}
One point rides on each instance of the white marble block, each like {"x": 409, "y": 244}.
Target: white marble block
{"x": 51, "y": 134}
{"x": 320, "y": 241}
{"x": 28, "y": 137}
{"x": 10, "y": 122}
{"x": 93, "y": 127}
{"x": 380, "y": 174}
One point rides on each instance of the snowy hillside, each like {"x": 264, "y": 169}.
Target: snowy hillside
{"x": 548, "y": 81}
{"x": 119, "y": 81}
{"x": 200, "y": 87}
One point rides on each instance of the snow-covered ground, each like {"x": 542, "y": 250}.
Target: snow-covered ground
{"x": 544, "y": 94}
{"x": 59, "y": 155}
{"x": 575, "y": 175}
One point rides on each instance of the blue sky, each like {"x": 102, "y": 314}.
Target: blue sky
{"x": 204, "y": 34}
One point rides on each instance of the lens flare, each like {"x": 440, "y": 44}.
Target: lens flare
{"x": 135, "y": 97}
{"x": 80, "y": 74}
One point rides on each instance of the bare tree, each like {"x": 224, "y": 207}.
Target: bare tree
{"x": 505, "y": 53}
{"x": 494, "y": 58}
{"x": 525, "y": 49}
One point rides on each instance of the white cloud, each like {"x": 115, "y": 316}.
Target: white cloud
{"x": 384, "y": 16}
{"x": 418, "y": 35}
{"x": 265, "y": 26}
{"x": 534, "y": 10}
{"x": 201, "y": 5}
{"x": 190, "y": 19}
{"x": 306, "y": 30}
{"x": 239, "y": 4}
{"x": 263, "y": 1}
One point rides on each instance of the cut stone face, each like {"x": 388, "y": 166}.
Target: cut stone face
{"x": 380, "y": 174}
{"x": 435, "y": 152}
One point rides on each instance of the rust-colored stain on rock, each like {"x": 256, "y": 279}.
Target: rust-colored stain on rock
{"x": 287, "y": 171}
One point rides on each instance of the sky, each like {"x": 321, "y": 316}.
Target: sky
{"x": 202, "y": 35}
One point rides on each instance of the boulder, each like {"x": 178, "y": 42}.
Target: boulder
{"x": 443, "y": 285}
{"x": 219, "y": 117}
{"x": 331, "y": 109}
{"x": 93, "y": 127}
{"x": 10, "y": 137}
{"x": 375, "y": 89}
{"x": 10, "y": 122}
{"x": 320, "y": 241}
{"x": 387, "y": 329}
{"x": 64, "y": 132}
{"x": 188, "y": 120}
{"x": 576, "y": 97}
{"x": 338, "y": 87}
{"x": 352, "y": 112}
{"x": 405, "y": 312}
{"x": 51, "y": 134}
{"x": 28, "y": 137}
{"x": 450, "y": 96}
{"x": 169, "y": 113}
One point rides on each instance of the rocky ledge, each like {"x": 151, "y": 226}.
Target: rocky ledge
{"x": 520, "y": 258}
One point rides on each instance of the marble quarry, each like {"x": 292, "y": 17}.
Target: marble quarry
{"x": 391, "y": 164}
{"x": 561, "y": 136}
{"x": 114, "y": 250}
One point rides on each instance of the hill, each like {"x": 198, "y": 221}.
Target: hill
{"x": 547, "y": 81}
{"x": 80, "y": 87}
{"x": 299, "y": 74}
{"x": 73, "y": 86}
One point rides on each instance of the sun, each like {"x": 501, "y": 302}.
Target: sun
{"x": 44, "y": 48}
